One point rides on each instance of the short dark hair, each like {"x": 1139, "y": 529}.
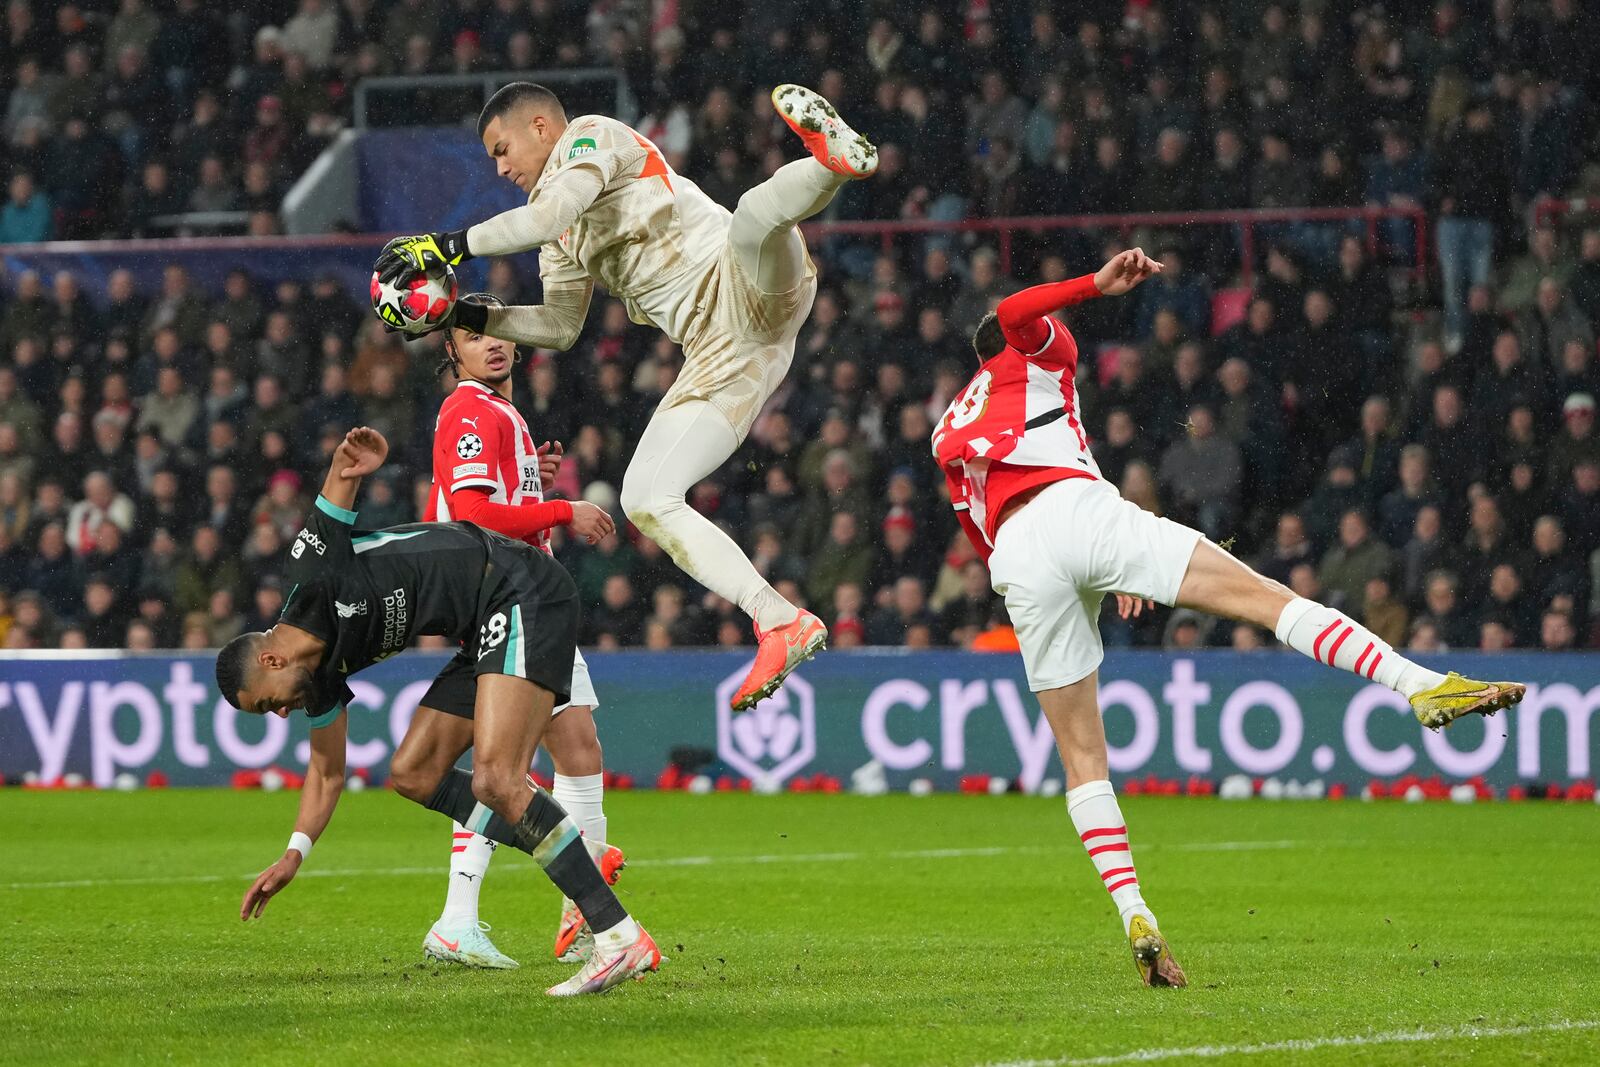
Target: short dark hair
{"x": 514, "y": 95}
{"x": 234, "y": 662}
{"x": 451, "y": 358}
{"x": 988, "y": 340}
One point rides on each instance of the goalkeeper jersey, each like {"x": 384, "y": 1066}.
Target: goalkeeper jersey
{"x": 649, "y": 238}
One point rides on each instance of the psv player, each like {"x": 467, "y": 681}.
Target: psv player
{"x": 486, "y": 470}
{"x": 1058, "y": 538}
{"x": 732, "y": 288}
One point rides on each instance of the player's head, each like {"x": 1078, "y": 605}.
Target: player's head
{"x": 518, "y": 127}
{"x": 477, "y": 356}
{"x": 255, "y": 677}
{"x": 987, "y": 340}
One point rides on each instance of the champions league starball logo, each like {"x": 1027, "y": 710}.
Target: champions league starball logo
{"x": 775, "y": 738}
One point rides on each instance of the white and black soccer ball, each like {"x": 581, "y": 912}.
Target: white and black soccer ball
{"x": 469, "y": 446}
{"x": 417, "y": 301}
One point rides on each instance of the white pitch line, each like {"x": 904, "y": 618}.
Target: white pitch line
{"x": 664, "y": 861}
{"x": 1311, "y": 1044}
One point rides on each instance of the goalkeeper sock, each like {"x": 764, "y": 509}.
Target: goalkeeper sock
{"x": 469, "y": 861}
{"x": 1334, "y": 638}
{"x": 544, "y": 832}
{"x": 584, "y": 798}
{"x": 1097, "y": 817}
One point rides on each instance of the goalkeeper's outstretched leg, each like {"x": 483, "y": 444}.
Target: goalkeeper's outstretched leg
{"x": 762, "y": 232}
{"x": 735, "y": 357}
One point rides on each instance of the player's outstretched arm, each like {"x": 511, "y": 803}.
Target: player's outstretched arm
{"x": 362, "y": 451}
{"x": 1022, "y": 314}
{"x": 556, "y": 323}
{"x": 546, "y": 217}
{"x": 323, "y": 786}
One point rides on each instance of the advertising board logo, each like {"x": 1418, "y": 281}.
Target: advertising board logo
{"x": 775, "y": 738}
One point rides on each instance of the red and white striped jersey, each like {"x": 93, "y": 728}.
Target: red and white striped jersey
{"x": 1014, "y": 427}
{"x": 481, "y": 440}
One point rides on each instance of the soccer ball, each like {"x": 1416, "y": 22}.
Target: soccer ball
{"x": 417, "y": 301}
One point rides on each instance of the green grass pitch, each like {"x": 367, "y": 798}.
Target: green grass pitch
{"x": 812, "y": 930}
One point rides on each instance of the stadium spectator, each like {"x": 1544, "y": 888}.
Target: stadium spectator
{"x": 1201, "y": 474}
{"x": 27, "y": 215}
{"x": 904, "y": 611}
{"x": 1355, "y": 560}
{"x": 1382, "y": 613}
{"x": 1424, "y": 553}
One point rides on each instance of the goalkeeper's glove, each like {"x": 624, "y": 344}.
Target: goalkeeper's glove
{"x": 422, "y": 251}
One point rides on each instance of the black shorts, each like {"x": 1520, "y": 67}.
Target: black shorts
{"x": 527, "y": 628}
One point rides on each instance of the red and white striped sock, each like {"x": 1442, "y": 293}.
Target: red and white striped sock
{"x": 1335, "y": 639}
{"x": 1097, "y": 817}
{"x": 469, "y": 861}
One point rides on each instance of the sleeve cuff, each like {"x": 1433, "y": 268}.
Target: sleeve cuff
{"x": 326, "y": 718}
{"x": 329, "y": 508}
{"x": 1049, "y": 340}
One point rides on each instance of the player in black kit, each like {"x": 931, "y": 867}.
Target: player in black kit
{"x": 359, "y": 597}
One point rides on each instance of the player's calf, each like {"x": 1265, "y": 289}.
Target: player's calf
{"x": 1217, "y": 583}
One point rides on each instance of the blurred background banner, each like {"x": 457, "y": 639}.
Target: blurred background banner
{"x": 424, "y": 180}
{"x": 939, "y": 715}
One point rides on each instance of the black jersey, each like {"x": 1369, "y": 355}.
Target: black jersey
{"x": 368, "y": 594}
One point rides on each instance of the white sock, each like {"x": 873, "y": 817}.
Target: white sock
{"x": 1096, "y": 816}
{"x": 583, "y": 796}
{"x": 681, "y": 445}
{"x": 469, "y": 861}
{"x": 618, "y": 937}
{"x": 1334, "y": 638}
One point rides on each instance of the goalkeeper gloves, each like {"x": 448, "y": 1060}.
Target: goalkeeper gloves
{"x": 423, "y": 251}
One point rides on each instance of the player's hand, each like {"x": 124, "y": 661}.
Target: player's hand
{"x": 591, "y": 523}
{"x": 549, "y": 454}
{"x": 362, "y": 451}
{"x": 267, "y": 884}
{"x": 423, "y": 251}
{"x": 1125, "y": 270}
{"x": 1131, "y": 607}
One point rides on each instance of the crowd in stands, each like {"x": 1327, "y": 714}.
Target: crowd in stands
{"x": 1419, "y": 450}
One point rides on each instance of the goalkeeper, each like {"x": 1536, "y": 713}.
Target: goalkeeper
{"x": 732, "y": 288}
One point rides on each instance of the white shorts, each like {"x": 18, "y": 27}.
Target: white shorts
{"x": 1057, "y": 558}
{"x": 582, "y": 687}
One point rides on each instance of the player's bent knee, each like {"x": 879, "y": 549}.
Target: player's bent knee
{"x": 638, "y": 503}
{"x": 576, "y": 755}
{"x": 497, "y": 787}
{"x": 412, "y": 780}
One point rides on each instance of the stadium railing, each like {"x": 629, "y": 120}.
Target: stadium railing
{"x": 273, "y": 259}
{"x": 1555, "y": 210}
{"x": 1248, "y": 223}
